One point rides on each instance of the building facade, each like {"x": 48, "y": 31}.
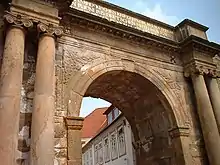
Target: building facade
{"x": 164, "y": 79}
{"x": 92, "y": 124}
{"x": 113, "y": 145}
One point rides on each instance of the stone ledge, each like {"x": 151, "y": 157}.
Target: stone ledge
{"x": 74, "y": 123}
{"x": 179, "y": 132}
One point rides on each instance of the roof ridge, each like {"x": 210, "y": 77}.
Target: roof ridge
{"x": 95, "y": 110}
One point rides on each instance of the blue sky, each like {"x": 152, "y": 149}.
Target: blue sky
{"x": 206, "y": 12}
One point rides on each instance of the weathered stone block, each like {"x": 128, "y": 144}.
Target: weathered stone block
{"x": 60, "y": 130}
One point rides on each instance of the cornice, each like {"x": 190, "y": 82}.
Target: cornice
{"x": 192, "y": 23}
{"x": 85, "y": 20}
{"x": 61, "y": 4}
{"x": 195, "y": 43}
{"x": 74, "y": 123}
{"x": 81, "y": 19}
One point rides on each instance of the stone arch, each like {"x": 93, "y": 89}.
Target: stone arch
{"x": 81, "y": 80}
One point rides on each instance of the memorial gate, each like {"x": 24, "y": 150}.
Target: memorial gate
{"x": 165, "y": 80}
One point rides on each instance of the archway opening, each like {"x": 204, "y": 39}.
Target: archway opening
{"x": 147, "y": 111}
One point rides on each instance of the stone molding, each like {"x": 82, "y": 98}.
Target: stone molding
{"x": 74, "y": 123}
{"x": 144, "y": 39}
{"x": 194, "y": 43}
{"x": 202, "y": 69}
{"x": 17, "y": 20}
{"x": 50, "y": 29}
{"x": 179, "y": 132}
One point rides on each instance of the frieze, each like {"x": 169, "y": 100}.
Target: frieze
{"x": 121, "y": 18}
{"x": 17, "y": 20}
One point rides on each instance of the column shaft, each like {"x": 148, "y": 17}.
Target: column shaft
{"x": 207, "y": 120}
{"x": 42, "y": 133}
{"x": 214, "y": 94}
{"x": 10, "y": 93}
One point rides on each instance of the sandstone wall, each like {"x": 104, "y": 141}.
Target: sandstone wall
{"x": 80, "y": 49}
{"x": 27, "y": 93}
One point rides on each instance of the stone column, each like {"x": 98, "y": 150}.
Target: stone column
{"x": 74, "y": 145}
{"x": 42, "y": 132}
{"x": 10, "y": 87}
{"x": 207, "y": 119}
{"x": 214, "y": 94}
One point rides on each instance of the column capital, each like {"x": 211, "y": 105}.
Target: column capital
{"x": 179, "y": 132}
{"x": 74, "y": 123}
{"x": 49, "y": 29}
{"x": 17, "y": 20}
{"x": 202, "y": 69}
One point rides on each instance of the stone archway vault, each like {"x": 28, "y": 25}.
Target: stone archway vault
{"x": 81, "y": 80}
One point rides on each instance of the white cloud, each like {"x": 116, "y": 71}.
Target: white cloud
{"x": 142, "y": 7}
{"x": 158, "y": 14}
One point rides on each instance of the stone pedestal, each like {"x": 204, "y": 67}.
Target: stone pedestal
{"x": 10, "y": 93}
{"x": 214, "y": 94}
{"x": 42, "y": 133}
{"x": 207, "y": 119}
{"x": 74, "y": 126}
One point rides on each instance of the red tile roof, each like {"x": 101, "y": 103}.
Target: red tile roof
{"x": 94, "y": 122}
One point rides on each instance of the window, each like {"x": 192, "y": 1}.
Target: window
{"x": 116, "y": 113}
{"x": 113, "y": 115}
{"x": 110, "y": 117}
{"x": 114, "y": 150}
{"x": 96, "y": 154}
{"x": 100, "y": 153}
{"x": 90, "y": 157}
{"x": 83, "y": 160}
{"x": 121, "y": 141}
{"x": 106, "y": 150}
{"x": 87, "y": 158}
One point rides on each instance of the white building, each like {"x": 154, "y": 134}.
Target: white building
{"x": 113, "y": 144}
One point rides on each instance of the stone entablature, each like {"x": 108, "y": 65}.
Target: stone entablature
{"x": 139, "y": 22}
{"x": 35, "y": 10}
{"x": 121, "y": 18}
